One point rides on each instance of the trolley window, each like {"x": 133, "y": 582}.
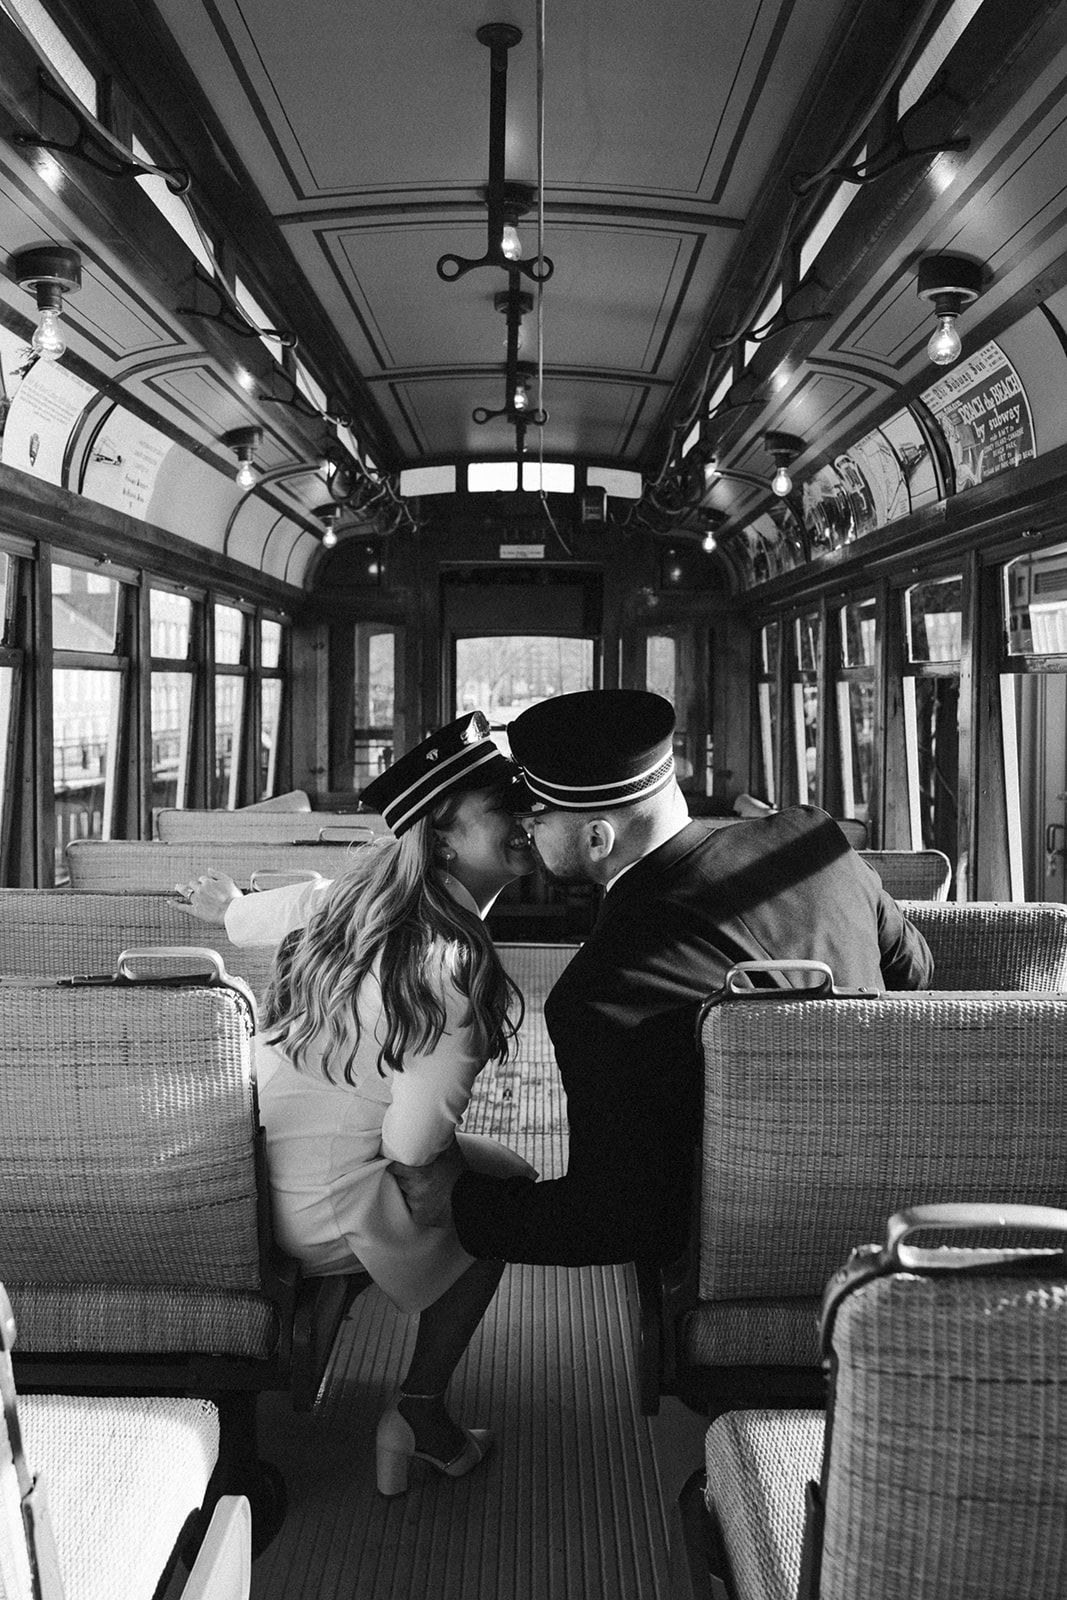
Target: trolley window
{"x": 377, "y": 660}
{"x": 11, "y": 664}
{"x": 933, "y": 616}
{"x": 171, "y": 695}
{"x": 231, "y": 681}
{"x": 855, "y": 690}
{"x": 765, "y": 765}
{"x": 670, "y": 670}
{"x": 1033, "y": 703}
{"x": 804, "y": 704}
{"x": 271, "y": 685}
{"x": 90, "y": 674}
{"x": 503, "y": 675}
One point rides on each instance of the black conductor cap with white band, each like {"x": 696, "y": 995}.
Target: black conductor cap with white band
{"x": 458, "y": 757}
{"x": 592, "y": 751}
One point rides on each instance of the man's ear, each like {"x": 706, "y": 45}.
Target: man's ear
{"x": 599, "y": 838}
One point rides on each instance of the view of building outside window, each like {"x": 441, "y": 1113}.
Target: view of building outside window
{"x": 504, "y": 676}
{"x": 269, "y": 728}
{"x": 86, "y": 705}
{"x": 170, "y": 617}
{"x": 375, "y": 700}
{"x": 270, "y": 714}
{"x": 7, "y": 681}
{"x": 229, "y": 708}
{"x": 229, "y": 704}
{"x": 171, "y": 622}
{"x": 855, "y": 704}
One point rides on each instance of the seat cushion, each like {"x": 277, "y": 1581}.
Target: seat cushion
{"x": 122, "y": 1477}
{"x": 56, "y": 1318}
{"x": 759, "y": 1464}
{"x": 753, "y": 1333}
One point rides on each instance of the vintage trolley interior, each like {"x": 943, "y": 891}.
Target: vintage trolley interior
{"x": 607, "y": 346}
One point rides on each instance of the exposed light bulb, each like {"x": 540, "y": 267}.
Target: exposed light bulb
{"x": 711, "y": 472}
{"x": 945, "y": 345}
{"x": 329, "y": 537}
{"x": 48, "y": 340}
{"x": 707, "y": 544}
{"x": 246, "y": 475}
{"x": 520, "y": 399}
{"x": 510, "y": 243}
{"x": 781, "y": 483}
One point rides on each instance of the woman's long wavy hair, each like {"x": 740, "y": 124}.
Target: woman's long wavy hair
{"x": 392, "y": 904}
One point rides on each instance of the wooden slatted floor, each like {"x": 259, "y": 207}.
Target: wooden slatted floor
{"x": 573, "y": 1503}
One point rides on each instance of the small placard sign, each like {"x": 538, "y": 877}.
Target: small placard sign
{"x": 522, "y": 552}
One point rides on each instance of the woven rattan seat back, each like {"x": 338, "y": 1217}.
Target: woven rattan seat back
{"x": 147, "y": 866}
{"x": 96, "y": 1493}
{"x": 945, "y": 1471}
{"x": 291, "y": 800}
{"x": 53, "y": 933}
{"x": 279, "y": 827}
{"x": 128, "y": 1139}
{"x": 822, "y": 1117}
{"x": 995, "y": 944}
{"x": 911, "y": 874}
{"x": 854, "y": 831}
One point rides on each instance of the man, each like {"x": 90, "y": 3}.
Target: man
{"x": 683, "y": 903}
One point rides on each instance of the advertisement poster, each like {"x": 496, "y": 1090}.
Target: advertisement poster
{"x": 42, "y": 413}
{"x": 982, "y": 409}
{"x": 123, "y": 464}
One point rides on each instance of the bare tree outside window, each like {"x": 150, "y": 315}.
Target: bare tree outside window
{"x": 503, "y": 676}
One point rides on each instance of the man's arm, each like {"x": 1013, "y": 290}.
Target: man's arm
{"x": 428, "y": 1189}
{"x": 905, "y": 955}
{"x": 632, "y": 1103}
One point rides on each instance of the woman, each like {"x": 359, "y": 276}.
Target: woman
{"x": 381, "y": 1013}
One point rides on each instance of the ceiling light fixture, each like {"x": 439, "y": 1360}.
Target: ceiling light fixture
{"x": 518, "y": 198}
{"x": 329, "y": 514}
{"x": 506, "y": 203}
{"x": 244, "y": 442}
{"x": 515, "y": 303}
{"x": 48, "y": 272}
{"x": 783, "y": 448}
{"x": 950, "y": 282}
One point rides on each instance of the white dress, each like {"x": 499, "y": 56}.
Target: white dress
{"x": 329, "y": 1144}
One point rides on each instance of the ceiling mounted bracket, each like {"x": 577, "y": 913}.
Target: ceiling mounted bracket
{"x": 506, "y": 202}
{"x": 95, "y": 146}
{"x": 893, "y": 153}
{"x": 232, "y": 317}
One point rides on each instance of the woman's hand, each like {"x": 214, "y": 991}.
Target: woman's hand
{"x": 207, "y": 896}
{"x": 428, "y": 1190}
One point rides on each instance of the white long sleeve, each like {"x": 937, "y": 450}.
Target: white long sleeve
{"x": 266, "y": 918}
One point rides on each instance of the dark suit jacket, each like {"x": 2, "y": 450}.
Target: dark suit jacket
{"x": 622, "y": 1020}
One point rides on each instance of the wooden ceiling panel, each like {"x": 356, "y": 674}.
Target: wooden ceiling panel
{"x": 638, "y": 98}
{"x": 622, "y": 297}
{"x": 428, "y": 409}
